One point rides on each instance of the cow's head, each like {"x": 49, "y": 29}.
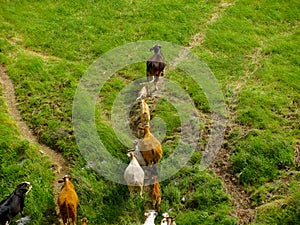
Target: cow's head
{"x": 65, "y": 178}
{"x": 130, "y": 154}
{"x": 168, "y": 220}
{"x": 151, "y": 213}
{"x": 84, "y": 220}
{"x": 135, "y": 142}
{"x": 154, "y": 178}
{"x": 23, "y": 188}
{"x": 156, "y": 48}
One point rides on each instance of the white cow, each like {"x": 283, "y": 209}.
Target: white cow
{"x": 150, "y": 217}
{"x": 134, "y": 175}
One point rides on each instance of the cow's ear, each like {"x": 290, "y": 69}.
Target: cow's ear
{"x": 60, "y": 181}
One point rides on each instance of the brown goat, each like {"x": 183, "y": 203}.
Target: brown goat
{"x": 68, "y": 201}
{"x": 156, "y": 197}
{"x": 150, "y": 147}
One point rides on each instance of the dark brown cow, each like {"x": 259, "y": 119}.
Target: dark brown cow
{"x": 155, "y": 66}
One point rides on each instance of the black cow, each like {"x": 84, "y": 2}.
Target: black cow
{"x": 14, "y": 204}
{"x": 155, "y": 66}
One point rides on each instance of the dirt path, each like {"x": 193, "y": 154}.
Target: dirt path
{"x": 58, "y": 163}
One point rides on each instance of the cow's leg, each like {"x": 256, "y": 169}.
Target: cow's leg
{"x": 74, "y": 218}
{"x": 141, "y": 191}
{"x": 130, "y": 191}
{"x": 65, "y": 220}
{"x": 158, "y": 204}
{"x": 153, "y": 204}
{"x": 155, "y": 82}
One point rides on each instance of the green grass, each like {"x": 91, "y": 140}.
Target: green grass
{"x": 282, "y": 209}
{"x": 263, "y": 154}
{"x": 259, "y": 40}
{"x": 206, "y": 203}
{"x": 20, "y": 161}
{"x": 47, "y": 46}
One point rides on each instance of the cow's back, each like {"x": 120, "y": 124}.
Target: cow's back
{"x": 134, "y": 174}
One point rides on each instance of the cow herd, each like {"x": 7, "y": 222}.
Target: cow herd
{"x": 144, "y": 158}
{"x": 147, "y": 152}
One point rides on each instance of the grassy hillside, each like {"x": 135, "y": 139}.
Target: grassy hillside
{"x": 253, "y": 50}
{"x": 20, "y": 161}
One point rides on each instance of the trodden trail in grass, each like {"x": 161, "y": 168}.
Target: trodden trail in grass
{"x": 221, "y": 167}
{"x": 59, "y": 164}
{"x": 18, "y": 42}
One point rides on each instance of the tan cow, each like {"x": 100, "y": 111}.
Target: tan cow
{"x": 68, "y": 201}
{"x": 150, "y": 147}
{"x": 145, "y": 113}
